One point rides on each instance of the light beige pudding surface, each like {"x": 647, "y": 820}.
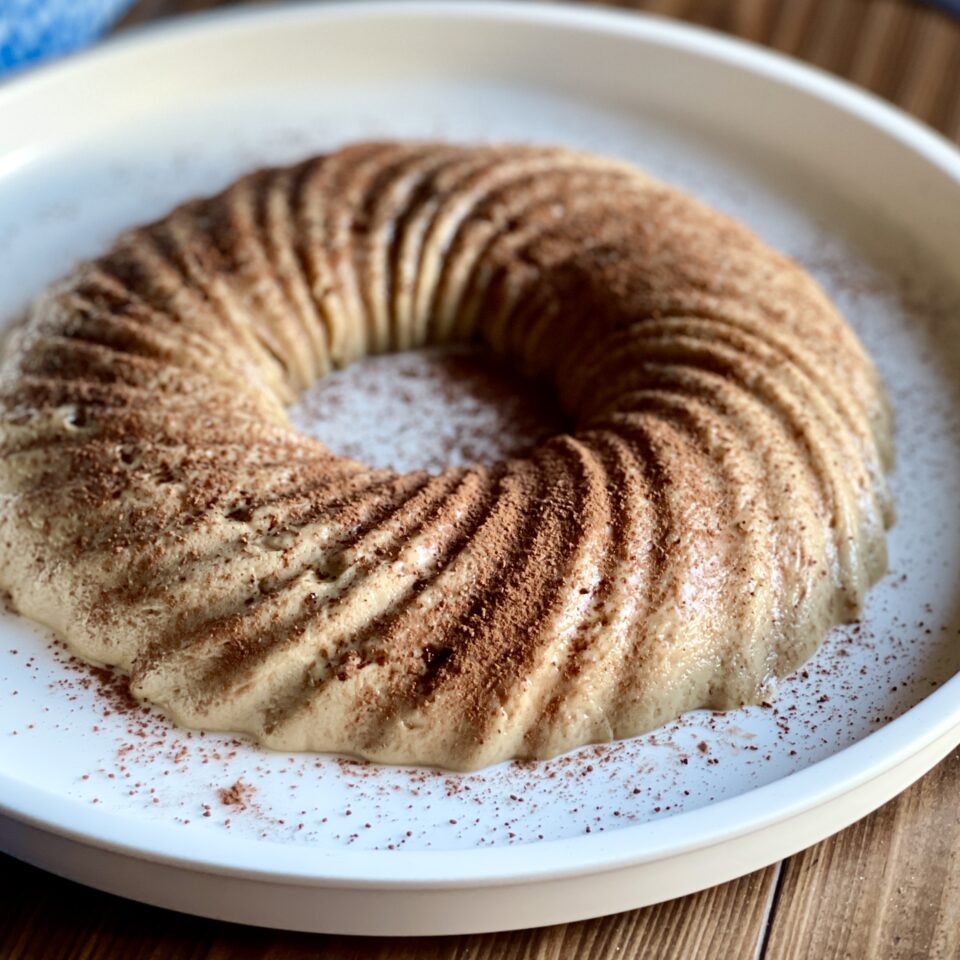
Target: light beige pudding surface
{"x": 718, "y": 505}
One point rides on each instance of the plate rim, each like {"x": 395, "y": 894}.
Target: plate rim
{"x": 837, "y": 775}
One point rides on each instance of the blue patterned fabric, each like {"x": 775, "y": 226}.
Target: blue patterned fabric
{"x": 32, "y": 30}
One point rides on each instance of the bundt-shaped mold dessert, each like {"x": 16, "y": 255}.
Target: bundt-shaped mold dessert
{"x": 717, "y": 507}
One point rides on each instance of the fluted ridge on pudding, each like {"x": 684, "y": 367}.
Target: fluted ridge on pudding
{"x": 718, "y": 505}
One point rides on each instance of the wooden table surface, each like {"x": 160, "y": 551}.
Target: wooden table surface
{"x": 889, "y": 886}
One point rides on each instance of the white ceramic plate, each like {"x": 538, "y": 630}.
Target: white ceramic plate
{"x": 114, "y": 797}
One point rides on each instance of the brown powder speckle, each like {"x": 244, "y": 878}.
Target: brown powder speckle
{"x": 238, "y": 794}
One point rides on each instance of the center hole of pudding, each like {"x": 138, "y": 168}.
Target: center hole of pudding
{"x": 428, "y": 409}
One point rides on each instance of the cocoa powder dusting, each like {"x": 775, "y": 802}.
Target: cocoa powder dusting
{"x": 238, "y": 794}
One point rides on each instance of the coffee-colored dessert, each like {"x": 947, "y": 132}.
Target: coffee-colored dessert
{"x": 717, "y": 507}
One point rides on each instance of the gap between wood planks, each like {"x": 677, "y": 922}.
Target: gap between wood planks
{"x": 772, "y": 897}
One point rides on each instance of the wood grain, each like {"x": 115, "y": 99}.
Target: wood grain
{"x": 46, "y": 918}
{"x": 888, "y": 887}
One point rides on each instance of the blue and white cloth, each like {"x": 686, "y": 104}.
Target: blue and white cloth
{"x": 33, "y": 30}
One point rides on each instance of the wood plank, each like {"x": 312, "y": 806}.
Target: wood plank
{"x": 931, "y": 85}
{"x": 873, "y": 52}
{"x": 793, "y": 25}
{"x": 830, "y": 42}
{"x": 888, "y": 887}
{"x": 753, "y": 21}
{"x": 46, "y": 918}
